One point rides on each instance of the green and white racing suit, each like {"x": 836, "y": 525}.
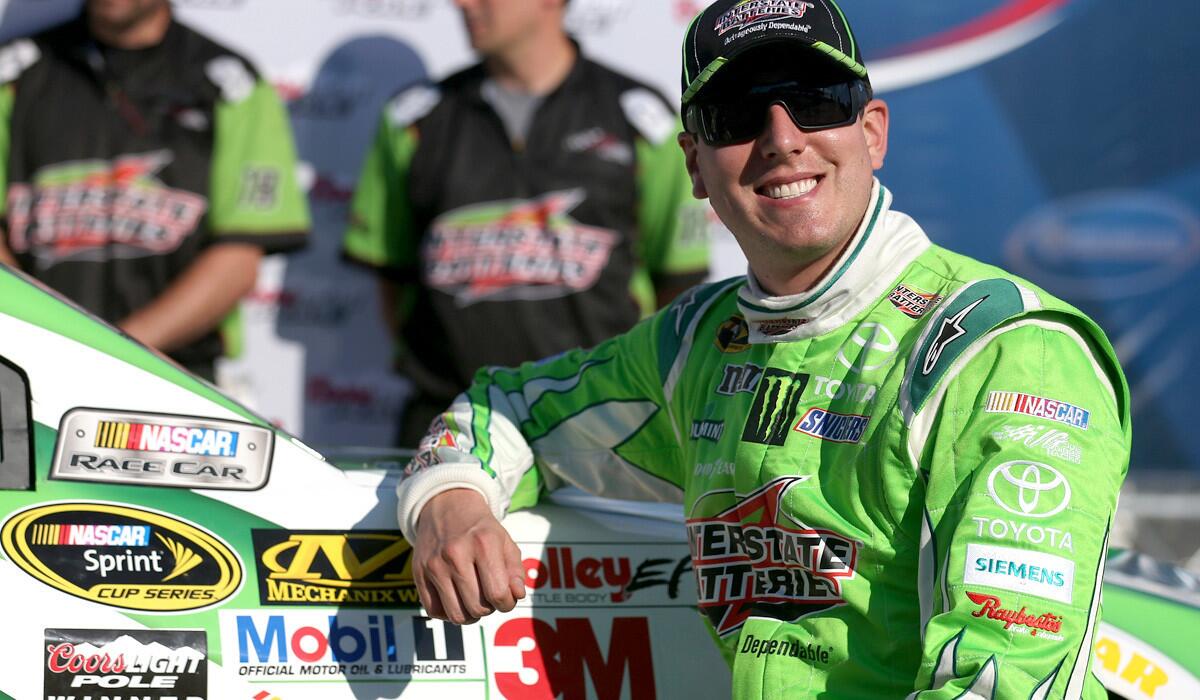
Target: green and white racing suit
{"x": 898, "y": 484}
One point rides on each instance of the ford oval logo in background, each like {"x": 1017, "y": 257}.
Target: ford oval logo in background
{"x": 123, "y": 556}
{"x": 1106, "y": 245}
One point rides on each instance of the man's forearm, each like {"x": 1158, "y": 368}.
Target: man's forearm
{"x": 197, "y": 301}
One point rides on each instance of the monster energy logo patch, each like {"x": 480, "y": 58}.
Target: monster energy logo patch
{"x": 774, "y": 407}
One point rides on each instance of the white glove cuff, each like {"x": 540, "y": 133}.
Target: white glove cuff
{"x": 414, "y": 491}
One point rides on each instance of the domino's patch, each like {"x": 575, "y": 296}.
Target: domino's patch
{"x": 648, "y": 114}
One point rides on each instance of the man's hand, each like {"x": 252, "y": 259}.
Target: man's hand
{"x": 465, "y": 564}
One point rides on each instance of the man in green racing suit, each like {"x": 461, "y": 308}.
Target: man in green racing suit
{"x": 898, "y": 465}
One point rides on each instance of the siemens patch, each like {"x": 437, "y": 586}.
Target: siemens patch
{"x": 835, "y": 427}
{"x": 1024, "y": 571}
{"x": 1027, "y": 404}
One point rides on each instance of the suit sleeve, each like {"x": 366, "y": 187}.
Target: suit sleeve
{"x": 673, "y": 226}
{"x": 596, "y": 419}
{"x": 1023, "y": 463}
{"x": 380, "y": 234}
{"x": 255, "y": 195}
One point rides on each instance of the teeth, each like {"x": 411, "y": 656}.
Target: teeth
{"x": 792, "y": 189}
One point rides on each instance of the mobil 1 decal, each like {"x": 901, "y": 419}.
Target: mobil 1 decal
{"x": 126, "y": 664}
{"x": 341, "y": 645}
{"x": 752, "y": 557}
{"x": 152, "y": 449}
{"x": 122, "y": 556}
{"x": 355, "y": 569}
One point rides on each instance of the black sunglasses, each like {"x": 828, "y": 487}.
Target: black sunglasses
{"x": 739, "y": 119}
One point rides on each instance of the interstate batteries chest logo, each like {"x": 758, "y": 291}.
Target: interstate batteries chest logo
{"x": 524, "y": 250}
{"x": 96, "y": 210}
{"x": 150, "y": 449}
{"x": 122, "y": 556}
{"x": 360, "y": 569}
{"x": 752, "y": 558}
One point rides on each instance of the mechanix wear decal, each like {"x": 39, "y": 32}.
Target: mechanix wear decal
{"x": 752, "y": 558}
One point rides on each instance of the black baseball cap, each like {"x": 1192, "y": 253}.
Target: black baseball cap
{"x": 727, "y": 29}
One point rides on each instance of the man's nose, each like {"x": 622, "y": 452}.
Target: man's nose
{"x": 780, "y": 135}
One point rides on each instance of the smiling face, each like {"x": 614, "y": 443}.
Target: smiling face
{"x": 791, "y": 197}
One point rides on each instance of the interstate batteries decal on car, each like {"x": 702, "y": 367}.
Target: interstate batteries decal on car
{"x": 149, "y": 449}
{"x": 122, "y": 556}
{"x": 524, "y": 250}
{"x": 752, "y": 558}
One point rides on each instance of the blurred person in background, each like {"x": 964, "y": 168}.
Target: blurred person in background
{"x": 147, "y": 169}
{"x": 530, "y": 204}
{"x": 898, "y": 466}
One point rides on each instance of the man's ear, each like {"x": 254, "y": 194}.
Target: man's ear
{"x": 875, "y": 130}
{"x": 688, "y": 143}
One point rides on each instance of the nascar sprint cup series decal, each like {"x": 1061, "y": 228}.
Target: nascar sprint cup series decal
{"x": 150, "y": 449}
{"x": 122, "y": 556}
{"x": 119, "y": 664}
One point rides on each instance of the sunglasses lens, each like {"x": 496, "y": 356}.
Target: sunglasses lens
{"x": 736, "y": 121}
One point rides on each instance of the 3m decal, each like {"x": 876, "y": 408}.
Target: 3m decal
{"x": 1047, "y": 625}
{"x": 733, "y": 335}
{"x": 950, "y": 331}
{"x": 834, "y": 427}
{"x": 557, "y": 656}
{"x": 1027, "y": 404}
{"x": 346, "y": 646}
{"x": 774, "y": 407}
{"x": 147, "y": 449}
{"x": 1014, "y": 531}
{"x": 736, "y": 379}
{"x": 1029, "y": 488}
{"x": 752, "y": 558}
{"x": 356, "y": 569}
{"x": 525, "y": 250}
{"x": 148, "y": 664}
{"x": 599, "y": 575}
{"x": 180, "y": 566}
{"x": 912, "y": 303}
{"x": 1021, "y": 570}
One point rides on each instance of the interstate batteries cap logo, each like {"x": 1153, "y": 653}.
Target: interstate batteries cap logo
{"x": 122, "y": 556}
{"x": 360, "y": 569}
{"x": 525, "y": 250}
{"x": 160, "y": 450}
